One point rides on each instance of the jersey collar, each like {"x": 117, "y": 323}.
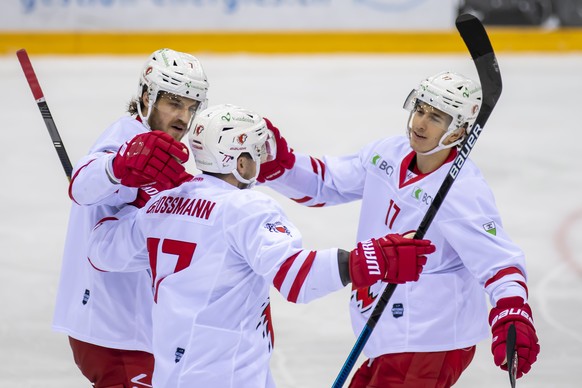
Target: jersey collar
{"x": 406, "y": 164}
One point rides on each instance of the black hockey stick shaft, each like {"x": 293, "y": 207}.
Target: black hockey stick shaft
{"x": 478, "y": 44}
{"x": 44, "y": 111}
{"x": 511, "y": 354}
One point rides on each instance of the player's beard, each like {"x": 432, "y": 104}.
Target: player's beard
{"x": 174, "y": 127}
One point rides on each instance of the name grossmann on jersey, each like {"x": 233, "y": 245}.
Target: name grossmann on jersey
{"x": 194, "y": 207}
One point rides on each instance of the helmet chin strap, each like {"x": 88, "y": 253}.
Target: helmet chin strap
{"x": 144, "y": 119}
{"x": 439, "y": 146}
{"x": 248, "y": 182}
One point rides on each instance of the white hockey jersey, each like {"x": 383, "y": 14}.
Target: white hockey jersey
{"x": 106, "y": 309}
{"x": 446, "y": 309}
{"x": 214, "y": 251}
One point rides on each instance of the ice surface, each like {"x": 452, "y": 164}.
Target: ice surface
{"x": 529, "y": 153}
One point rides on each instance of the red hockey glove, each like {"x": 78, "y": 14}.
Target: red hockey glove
{"x": 392, "y": 258}
{"x": 507, "y": 311}
{"x": 145, "y": 193}
{"x": 149, "y": 158}
{"x": 284, "y": 160}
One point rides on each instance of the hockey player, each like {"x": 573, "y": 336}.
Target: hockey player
{"x": 107, "y": 316}
{"x": 214, "y": 249}
{"x": 428, "y": 332}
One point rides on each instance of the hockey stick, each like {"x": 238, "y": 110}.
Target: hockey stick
{"x": 511, "y": 354}
{"x": 44, "y": 110}
{"x": 478, "y": 44}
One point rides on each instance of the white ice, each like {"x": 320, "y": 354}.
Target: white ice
{"x": 529, "y": 153}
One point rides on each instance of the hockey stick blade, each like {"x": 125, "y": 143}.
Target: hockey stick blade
{"x": 478, "y": 44}
{"x": 511, "y": 355}
{"x": 44, "y": 111}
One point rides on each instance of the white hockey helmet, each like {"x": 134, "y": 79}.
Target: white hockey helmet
{"x": 220, "y": 134}
{"x": 452, "y": 93}
{"x": 173, "y": 72}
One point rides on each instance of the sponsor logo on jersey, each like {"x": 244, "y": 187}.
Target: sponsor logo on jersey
{"x": 86, "y": 296}
{"x": 397, "y": 310}
{"x": 381, "y": 164}
{"x": 420, "y": 195}
{"x": 490, "y": 228}
{"x": 416, "y": 193}
{"x": 277, "y": 227}
{"x": 179, "y": 353}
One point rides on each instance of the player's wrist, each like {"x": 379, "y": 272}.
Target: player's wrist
{"x": 109, "y": 170}
{"x": 343, "y": 261}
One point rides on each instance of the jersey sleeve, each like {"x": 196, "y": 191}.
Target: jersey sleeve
{"x": 323, "y": 182}
{"x": 485, "y": 248}
{"x": 117, "y": 245}
{"x": 90, "y": 184}
{"x": 272, "y": 246}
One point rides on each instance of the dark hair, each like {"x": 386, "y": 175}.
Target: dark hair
{"x": 132, "y": 105}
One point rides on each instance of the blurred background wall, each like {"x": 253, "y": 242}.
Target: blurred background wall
{"x": 283, "y": 26}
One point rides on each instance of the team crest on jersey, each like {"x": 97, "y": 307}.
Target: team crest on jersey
{"x": 397, "y": 310}
{"x": 277, "y": 227}
{"x": 490, "y": 228}
{"x": 364, "y": 298}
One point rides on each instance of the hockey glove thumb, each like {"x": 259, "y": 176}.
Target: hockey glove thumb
{"x": 508, "y": 311}
{"x": 146, "y": 192}
{"x": 284, "y": 160}
{"x": 392, "y": 258}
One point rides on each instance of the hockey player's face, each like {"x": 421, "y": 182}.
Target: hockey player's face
{"x": 428, "y": 125}
{"x": 171, "y": 114}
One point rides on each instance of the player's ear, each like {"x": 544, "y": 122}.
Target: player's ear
{"x": 145, "y": 101}
{"x": 242, "y": 163}
{"x": 456, "y": 135}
